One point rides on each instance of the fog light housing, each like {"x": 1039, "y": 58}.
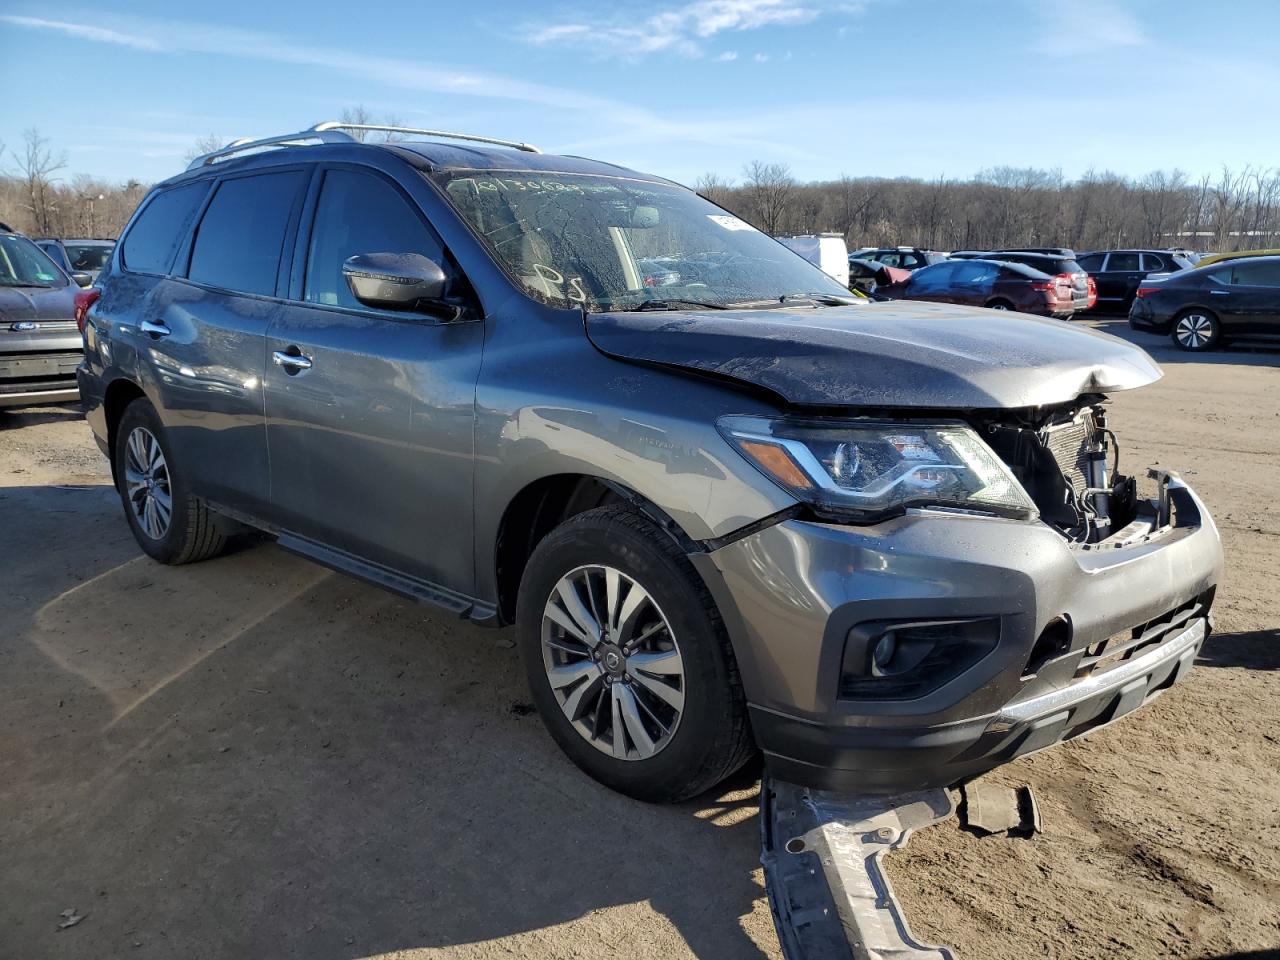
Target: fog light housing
{"x": 904, "y": 660}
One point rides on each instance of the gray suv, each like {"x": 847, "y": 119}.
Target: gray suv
{"x": 727, "y": 509}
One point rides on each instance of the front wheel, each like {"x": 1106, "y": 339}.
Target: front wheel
{"x": 169, "y": 523}
{"x": 628, "y": 661}
{"x": 999, "y": 305}
{"x": 1196, "y": 330}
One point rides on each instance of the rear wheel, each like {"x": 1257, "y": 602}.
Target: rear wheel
{"x": 627, "y": 658}
{"x": 999, "y": 305}
{"x": 1196, "y": 330}
{"x": 169, "y": 523}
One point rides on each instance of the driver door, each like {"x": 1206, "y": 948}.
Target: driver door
{"x": 370, "y": 412}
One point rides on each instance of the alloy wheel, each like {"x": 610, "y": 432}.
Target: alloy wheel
{"x": 1194, "y": 331}
{"x": 613, "y": 662}
{"x": 146, "y": 480}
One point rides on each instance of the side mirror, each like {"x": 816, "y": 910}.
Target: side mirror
{"x": 394, "y": 281}
{"x": 82, "y": 279}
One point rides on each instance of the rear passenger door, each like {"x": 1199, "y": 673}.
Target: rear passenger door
{"x": 203, "y": 334}
{"x": 371, "y": 441}
{"x": 1254, "y": 303}
{"x": 1118, "y": 281}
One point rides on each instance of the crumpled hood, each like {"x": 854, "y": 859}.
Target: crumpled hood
{"x": 895, "y": 354}
{"x": 36, "y": 303}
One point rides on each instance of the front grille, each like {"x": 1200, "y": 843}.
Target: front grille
{"x": 1068, "y": 444}
{"x": 1127, "y": 644}
{"x": 22, "y": 372}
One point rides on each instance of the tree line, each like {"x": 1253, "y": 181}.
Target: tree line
{"x": 1001, "y": 207}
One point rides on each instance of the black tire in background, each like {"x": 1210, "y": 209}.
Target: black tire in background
{"x": 999, "y": 304}
{"x": 712, "y": 738}
{"x": 1195, "y": 330}
{"x": 190, "y": 532}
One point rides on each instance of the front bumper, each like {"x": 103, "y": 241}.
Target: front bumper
{"x": 791, "y": 593}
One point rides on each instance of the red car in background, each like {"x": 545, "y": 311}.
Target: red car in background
{"x": 995, "y": 284}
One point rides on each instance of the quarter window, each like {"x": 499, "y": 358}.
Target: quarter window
{"x": 153, "y": 240}
{"x": 358, "y": 213}
{"x": 239, "y": 240}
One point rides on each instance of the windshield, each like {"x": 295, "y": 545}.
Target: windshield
{"x": 23, "y": 264}
{"x": 88, "y": 256}
{"x": 606, "y": 243}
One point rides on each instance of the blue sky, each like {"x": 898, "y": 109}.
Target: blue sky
{"x": 920, "y": 88}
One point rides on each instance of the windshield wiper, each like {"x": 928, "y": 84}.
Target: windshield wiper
{"x": 826, "y": 299}
{"x": 674, "y": 303}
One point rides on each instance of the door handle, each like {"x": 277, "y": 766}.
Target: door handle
{"x": 156, "y": 328}
{"x": 292, "y": 362}
{"x": 1220, "y": 293}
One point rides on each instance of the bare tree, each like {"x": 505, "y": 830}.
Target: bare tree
{"x": 202, "y": 146}
{"x": 769, "y": 188}
{"x": 712, "y": 186}
{"x": 36, "y": 166}
{"x": 362, "y": 116}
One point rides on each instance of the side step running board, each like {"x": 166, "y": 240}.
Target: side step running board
{"x": 827, "y": 888}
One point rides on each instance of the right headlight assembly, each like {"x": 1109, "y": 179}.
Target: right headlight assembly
{"x": 866, "y": 471}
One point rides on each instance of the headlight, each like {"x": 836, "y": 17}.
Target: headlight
{"x": 866, "y": 471}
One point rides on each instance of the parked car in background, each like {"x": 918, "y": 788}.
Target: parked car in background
{"x": 904, "y": 258}
{"x": 828, "y": 252}
{"x": 40, "y": 346}
{"x": 1118, "y": 273}
{"x": 1056, "y": 264}
{"x": 1211, "y": 258}
{"x": 77, "y": 256}
{"x": 1208, "y": 306}
{"x": 867, "y": 276}
{"x": 439, "y": 368}
{"x": 989, "y": 283}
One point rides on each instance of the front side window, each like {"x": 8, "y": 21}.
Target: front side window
{"x": 242, "y": 233}
{"x": 1091, "y": 263}
{"x": 23, "y": 264}
{"x": 611, "y": 243}
{"x": 358, "y": 213}
{"x": 152, "y": 241}
{"x": 937, "y": 277}
{"x": 974, "y": 273}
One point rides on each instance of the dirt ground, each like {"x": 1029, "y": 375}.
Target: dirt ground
{"x": 255, "y": 757}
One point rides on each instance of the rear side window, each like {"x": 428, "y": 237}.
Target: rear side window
{"x": 1091, "y": 263}
{"x": 1153, "y": 263}
{"x": 154, "y": 237}
{"x": 359, "y": 213}
{"x": 1123, "y": 261}
{"x": 1257, "y": 274}
{"x": 239, "y": 240}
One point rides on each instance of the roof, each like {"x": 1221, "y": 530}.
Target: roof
{"x": 437, "y": 153}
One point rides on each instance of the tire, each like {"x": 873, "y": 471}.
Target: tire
{"x": 690, "y": 749}
{"x": 190, "y": 532}
{"x": 999, "y": 305}
{"x": 1195, "y": 331}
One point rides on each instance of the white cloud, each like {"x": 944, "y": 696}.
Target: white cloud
{"x": 83, "y": 32}
{"x": 761, "y": 58}
{"x": 728, "y": 56}
{"x": 681, "y": 29}
{"x": 1087, "y": 27}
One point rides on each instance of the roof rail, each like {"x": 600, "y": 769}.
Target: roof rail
{"x": 335, "y": 131}
{"x": 244, "y": 144}
{"x": 383, "y": 128}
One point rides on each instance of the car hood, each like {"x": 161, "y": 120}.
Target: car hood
{"x": 35, "y": 303}
{"x": 892, "y": 354}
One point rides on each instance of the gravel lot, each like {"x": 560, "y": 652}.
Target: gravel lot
{"x": 257, "y": 757}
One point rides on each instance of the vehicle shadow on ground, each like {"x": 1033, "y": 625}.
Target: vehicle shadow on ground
{"x": 1255, "y": 650}
{"x": 16, "y": 417}
{"x": 254, "y": 756}
{"x": 1162, "y": 348}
